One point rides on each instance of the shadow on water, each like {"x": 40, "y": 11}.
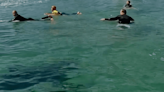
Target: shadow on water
{"x": 21, "y": 77}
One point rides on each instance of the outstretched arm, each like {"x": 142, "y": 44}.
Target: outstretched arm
{"x": 110, "y": 19}
{"x": 104, "y": 19}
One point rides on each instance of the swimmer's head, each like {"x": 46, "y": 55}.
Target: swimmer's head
{"x": 122, "y": 12}
{"x": 53, "y": 8}
{"x": 14, "y": 13}
{"x": 128, "y": 2}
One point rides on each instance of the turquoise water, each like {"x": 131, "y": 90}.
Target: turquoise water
{"x": 81, "y": 53}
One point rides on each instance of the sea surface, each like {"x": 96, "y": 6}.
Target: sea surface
{"x": 80, "y": 53}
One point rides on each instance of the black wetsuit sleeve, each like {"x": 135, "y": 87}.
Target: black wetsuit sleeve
{"x": 131, "y": 19}
{"x": 59, "y": 13}
{"x": 45, "y": 17}
{"x": 107, "y": 19}
{"x": 114, "y": 18}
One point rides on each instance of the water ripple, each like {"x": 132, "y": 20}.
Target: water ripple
{"x": 21, "y": 77}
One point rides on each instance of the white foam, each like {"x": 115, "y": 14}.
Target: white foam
{"x": 20, "y": 2}
{"x": 3, "y": 20}
{"x": 162, "y": 59}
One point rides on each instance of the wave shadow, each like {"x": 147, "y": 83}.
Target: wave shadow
{"x": 21, "y": 77}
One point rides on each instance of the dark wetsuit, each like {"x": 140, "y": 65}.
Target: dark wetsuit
{"x": 123, "y": 19}
{"x": 20, "y": 18}
{"x": 68, "y": 14}
{"x": 128, "y": 6}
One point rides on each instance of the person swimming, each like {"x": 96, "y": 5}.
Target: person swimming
{"x": 128, "y": 5}
{"x": 122, "y": 18}
{"x": 55, "y": 12}
{"x": 18, "y": 17}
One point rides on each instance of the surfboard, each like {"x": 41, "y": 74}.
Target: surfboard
{"x": 16, "y": 21}
{"x": 123, "y": 25}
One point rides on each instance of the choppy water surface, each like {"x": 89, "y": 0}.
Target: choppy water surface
{"x": 81, "y": 53}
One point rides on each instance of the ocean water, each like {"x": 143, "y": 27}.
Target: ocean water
{"x": 80, "y": 53}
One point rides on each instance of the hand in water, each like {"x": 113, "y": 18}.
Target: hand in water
{"x": 79, "y": 13}
{"x": 45, "y": 13}
{"x": 102, "y": 19}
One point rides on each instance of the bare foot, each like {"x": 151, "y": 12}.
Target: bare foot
{"x": 51, "y": 19}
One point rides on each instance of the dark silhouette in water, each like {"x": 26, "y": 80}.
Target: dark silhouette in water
{"x": 128, "y": 5}
{"x": 20, "y": 77}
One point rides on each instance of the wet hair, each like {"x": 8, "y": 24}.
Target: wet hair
{"x": 123, "y": 10}
{"x": 54, "y": 6}
{"x": 129, "y": 1}
{"x": 15, "y": 11}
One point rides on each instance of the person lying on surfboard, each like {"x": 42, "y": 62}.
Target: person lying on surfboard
{"x": 18, "y": 17}
{"x": 122, "y": 18}
{"x": 55, "y": 12}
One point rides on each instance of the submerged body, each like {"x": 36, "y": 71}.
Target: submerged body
{"x": 128, "y": 5}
